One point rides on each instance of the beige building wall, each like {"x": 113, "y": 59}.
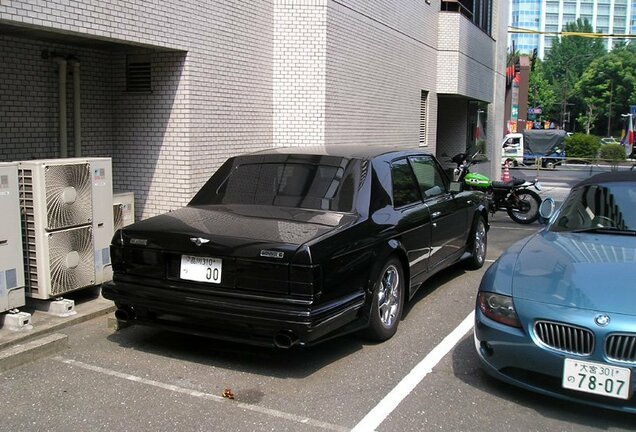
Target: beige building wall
{"x": 231, "y": 77}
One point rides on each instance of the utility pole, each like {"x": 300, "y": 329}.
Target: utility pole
{"x": 609, "y": 116}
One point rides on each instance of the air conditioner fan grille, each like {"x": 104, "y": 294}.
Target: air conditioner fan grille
{"x": 68, "y": 195}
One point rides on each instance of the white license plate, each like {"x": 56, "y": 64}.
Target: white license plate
{"x": 597, "y": 378}
{"x": 201, "y": 269}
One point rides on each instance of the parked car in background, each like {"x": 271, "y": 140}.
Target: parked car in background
{"x": 609, "y": 140}
{"x": 556, "y": 312}
{"x": 294, "y": 246}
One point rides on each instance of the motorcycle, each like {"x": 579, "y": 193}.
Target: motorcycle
{"x": 515, "y": 196}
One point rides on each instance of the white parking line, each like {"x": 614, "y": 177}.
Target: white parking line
{"x": 202, "y": 395}
{"x": 513, "y": 228}
{"x": 386, "y": 406}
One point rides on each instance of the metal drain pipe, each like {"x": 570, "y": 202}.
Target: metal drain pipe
{"x": 61, "y": 62}
{"x": 77, "y": 113}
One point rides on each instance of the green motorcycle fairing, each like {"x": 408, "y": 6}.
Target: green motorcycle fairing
{"x": 477, "y": 180}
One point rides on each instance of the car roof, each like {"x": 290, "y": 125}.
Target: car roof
{"x": 348, "y": 151}
{"x": 609, "y": 177}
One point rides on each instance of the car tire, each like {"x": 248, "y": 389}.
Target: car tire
{"x": 387, "y": 301}
{"x": 477, "y": 244}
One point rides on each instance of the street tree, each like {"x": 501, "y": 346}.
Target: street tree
{"x": 564, "y": 64}
{"x": 607, "y": 88}
{"x": 541, "y": 92}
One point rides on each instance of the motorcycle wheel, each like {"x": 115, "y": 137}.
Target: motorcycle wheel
{"x": 523, "y": 206}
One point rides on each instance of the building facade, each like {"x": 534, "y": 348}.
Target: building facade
{"x": 551, "y": 16}
{"x": 169, "y": 89}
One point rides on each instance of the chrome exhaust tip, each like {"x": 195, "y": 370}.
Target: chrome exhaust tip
{"x": 124, "y": 314}
{"x": 285, "y": 340}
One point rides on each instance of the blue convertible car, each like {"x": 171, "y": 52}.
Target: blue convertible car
{"x": 556, "y": 313}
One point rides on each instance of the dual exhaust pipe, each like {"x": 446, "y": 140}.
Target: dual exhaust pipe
{"x": 125, "y": 315}
{"x": 282, "y": 340}
{"x": 285, "y": 340}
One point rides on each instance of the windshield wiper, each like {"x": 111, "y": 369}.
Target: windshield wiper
{"x": 605, "y": 230}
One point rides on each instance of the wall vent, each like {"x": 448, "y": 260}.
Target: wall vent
{"x": 423, "y": 118}
{"x": 138, "y": 74}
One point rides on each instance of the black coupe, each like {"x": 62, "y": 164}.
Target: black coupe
{"x": 295, "y": 246}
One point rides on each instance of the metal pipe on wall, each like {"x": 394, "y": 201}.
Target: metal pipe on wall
{"x": 61, "y": 61}
{"x": 77, "y": 113}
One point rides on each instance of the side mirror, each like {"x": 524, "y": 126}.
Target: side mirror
{"x": 456, "y": 187}
{"x": 546, "y": 210}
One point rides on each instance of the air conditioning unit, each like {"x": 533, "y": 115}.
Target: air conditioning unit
{"x": 103, "y": 230}
{"x": 67, "y": 224}
{"x": 11, "y": 267}
{"x": 123, "y": 209}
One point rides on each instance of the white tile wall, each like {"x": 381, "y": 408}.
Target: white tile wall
{"x": 229, "y": 76}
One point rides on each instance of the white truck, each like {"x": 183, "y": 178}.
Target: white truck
{"x": 530, "y": 145}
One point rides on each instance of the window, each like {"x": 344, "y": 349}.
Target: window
{"x": 405, "y": 189}
{"x": 477, "y": 11}
{"x": 596, "y": 206}
{"x": 569, "y": 8}
{"x": 431, "y": 180}
{"x": 424, "y": 97}
{"x": 322, "y": 183}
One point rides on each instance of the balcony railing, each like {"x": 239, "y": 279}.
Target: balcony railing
{"x": 477, "y": 11}
{"x": 457, "y": 6}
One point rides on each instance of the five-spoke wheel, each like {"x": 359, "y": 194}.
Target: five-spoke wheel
{"x": 387, "y": 302}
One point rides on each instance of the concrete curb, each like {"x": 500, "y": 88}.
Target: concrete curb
{"x": 22, "y": 337}
{"x": 31, "y": 351}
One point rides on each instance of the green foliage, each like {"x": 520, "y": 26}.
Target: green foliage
{"x": 564, "y": 64}
{"x": 482, "y": 146}
{"x": 569, "y": 56}
{"x": 608, "y": 87}
{"x": 612, "y": 152}
{"x": 540, "y": 92}
{"x": 581, "y": 145}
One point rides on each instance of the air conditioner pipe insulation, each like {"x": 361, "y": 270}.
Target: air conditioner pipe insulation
{"x": 62, "y": 63}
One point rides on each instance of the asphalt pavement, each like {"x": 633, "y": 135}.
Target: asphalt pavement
{"x": 19, "y": 347}
{"x": 427, "y": 377}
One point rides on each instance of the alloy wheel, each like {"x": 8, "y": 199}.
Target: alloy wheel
{"x": 389, "y": 296}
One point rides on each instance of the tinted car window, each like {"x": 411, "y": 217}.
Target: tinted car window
{"x": 405, "y": 189}
{"x": 285, "y": 184}
{"x": 610, "y": 205}
{"x": 429, "y": 177}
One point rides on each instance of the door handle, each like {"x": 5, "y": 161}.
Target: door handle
{"x": 469, "y": 202}
{"x": 436, "y": 214}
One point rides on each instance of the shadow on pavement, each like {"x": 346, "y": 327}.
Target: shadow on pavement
{"x": 466, "y": 367}
{"x": 298, "y": 362}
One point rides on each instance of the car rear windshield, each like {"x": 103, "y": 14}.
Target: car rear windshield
{"x": 610, "y": 205}
{"x": 300, "y": 181}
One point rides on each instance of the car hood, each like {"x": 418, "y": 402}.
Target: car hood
{"x": 232, "y": 229}
{"x": 587, "y": 271}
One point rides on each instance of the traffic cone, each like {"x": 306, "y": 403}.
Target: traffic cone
{"x": 506, "y": 174}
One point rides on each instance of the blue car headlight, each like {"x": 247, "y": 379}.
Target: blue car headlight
{"x": 498, "y": 308}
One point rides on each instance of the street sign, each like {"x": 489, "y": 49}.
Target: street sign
{"x": 632, "y": 109}
{"x": 534, "y": 110}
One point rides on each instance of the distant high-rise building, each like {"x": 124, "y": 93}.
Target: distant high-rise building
{"x": 550, "y": 16}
